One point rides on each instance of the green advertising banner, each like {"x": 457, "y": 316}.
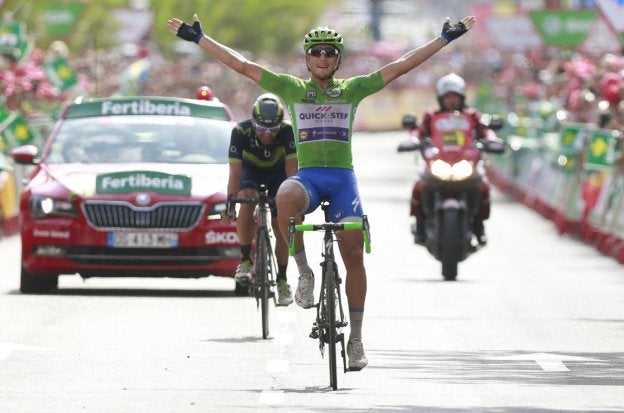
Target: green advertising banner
{"x": 142, "y": 106}
{"x": 4, "y": 115}
{"x": 14, "y": 130}
{"x": 60, "y": 73}
{"x": 147, "y": 181}
{"x": 60, "y": 19}
{"x": 13, "y": 40}
{"x": 601, "y": 150}
{"x": 563, "y": 27}
{"x": 572, "y": 138}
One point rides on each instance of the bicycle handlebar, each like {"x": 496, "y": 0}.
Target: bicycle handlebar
{"x": 329, "y": 226}
{"x": 231, "y": 201}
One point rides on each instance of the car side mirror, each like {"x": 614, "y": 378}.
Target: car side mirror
{"x": 409, "y": 122}
{"x": 25, "y": 154}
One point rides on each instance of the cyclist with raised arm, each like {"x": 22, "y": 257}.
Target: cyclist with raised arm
{"x": 322, "y": 110}
{"x": 262, "y": 151}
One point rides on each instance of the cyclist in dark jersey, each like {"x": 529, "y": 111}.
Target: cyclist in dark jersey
{"x": 262, "y": 151}
{"x": 322, "y": 111}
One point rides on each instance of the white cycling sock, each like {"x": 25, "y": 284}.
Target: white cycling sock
{"x": 356, "y": 315}
{"x": 302, "y": 262}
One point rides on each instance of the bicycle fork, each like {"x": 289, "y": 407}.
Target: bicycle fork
{"x": 321, "y": 326}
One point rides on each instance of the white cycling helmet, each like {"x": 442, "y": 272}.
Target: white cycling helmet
{"x": 451, "y": 83}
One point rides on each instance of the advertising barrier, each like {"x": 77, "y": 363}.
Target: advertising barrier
{"x": 573, "y": 177}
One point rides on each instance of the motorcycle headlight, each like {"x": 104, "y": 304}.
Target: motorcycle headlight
{"x": 441, "y": 169}
{"x": 447, "y": 172}
{"x": 461, "y": 170}
{"x": 43, "y": 206}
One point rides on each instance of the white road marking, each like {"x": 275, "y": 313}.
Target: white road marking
{"x": 271, "y": 397}
{"x": 283, "y": 339}
{"x": 286, "y": 317}
{"x": 548, "y": 361}
{"x": 6, "y": 349}
{"x": 277, "y": 366}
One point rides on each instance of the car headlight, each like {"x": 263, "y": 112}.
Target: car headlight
{"x": 43, "y": 206}
{"x": 447, "y": 172}
{"x": 216, "y": 210}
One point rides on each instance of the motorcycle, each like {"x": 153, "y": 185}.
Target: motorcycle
{"x": 452, "y": 177}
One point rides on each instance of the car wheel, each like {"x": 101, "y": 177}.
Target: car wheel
{"x": 30, "y": 283}
{"x": 241, "y": 290}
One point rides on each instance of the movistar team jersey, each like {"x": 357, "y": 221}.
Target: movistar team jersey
{"x": 322, "y": 119}
{"x": 245, "y": 148}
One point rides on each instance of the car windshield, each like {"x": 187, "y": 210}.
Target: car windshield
{"x": 123, "y": 139}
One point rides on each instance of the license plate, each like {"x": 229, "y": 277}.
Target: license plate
{"x": 142, "y": 240}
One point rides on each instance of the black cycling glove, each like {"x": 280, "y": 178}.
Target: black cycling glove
{"x": 192, "y": 33}
{"x": 452, "y": 32}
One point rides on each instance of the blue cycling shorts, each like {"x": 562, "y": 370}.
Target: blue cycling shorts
{"x": 339, "y": 185}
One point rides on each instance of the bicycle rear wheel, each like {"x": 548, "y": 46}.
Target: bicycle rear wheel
{"x": 262, "y": 278}
{"x": 330, "y": 296}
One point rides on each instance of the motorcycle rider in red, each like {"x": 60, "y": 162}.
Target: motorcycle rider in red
{"x": 451, "y": 93}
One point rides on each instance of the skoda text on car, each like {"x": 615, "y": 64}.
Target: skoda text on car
{"x": 128, "y": 187}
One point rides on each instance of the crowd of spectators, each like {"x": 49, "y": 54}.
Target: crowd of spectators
{"x": 589, "y": 88}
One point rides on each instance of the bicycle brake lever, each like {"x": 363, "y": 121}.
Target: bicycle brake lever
{"x": 366, "y": 228}
{"x": 291, "y": 237}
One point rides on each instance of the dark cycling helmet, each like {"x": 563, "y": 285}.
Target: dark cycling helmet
{"x": 204, "y": 93}
{"x": 267, "y": 111}
{"x": 322, "y": 35}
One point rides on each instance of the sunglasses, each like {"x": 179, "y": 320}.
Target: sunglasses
{"x": 263, "y": 129}
{"x": 328, "y": 51}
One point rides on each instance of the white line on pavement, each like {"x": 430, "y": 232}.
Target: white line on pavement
{"x": 271, "y": 397}
{"x": 277, "y": 365}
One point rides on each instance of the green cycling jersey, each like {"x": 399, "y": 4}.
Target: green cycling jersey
{"x": 322, "y": 119}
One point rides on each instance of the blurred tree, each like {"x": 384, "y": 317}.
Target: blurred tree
{"x": 258, "y": 26}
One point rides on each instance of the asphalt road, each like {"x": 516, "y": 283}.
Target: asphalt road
{"x": 535, "y": 323}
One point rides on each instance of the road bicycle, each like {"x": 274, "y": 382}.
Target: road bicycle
{"x": 265, "y": 267}
{"x": 330, "y": 318}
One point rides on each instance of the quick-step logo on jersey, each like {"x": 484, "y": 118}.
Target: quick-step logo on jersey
{"x": 323, "y": 122}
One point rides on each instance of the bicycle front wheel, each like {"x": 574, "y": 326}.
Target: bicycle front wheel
{"x": 262, "y": 278}
{"x": 330, "y": 296}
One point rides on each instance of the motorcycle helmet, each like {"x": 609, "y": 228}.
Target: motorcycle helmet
{"x": 322, "y": 35}
{"x": 204, "y": 93}
{"x": 451, "y": 83}
{"x": 267, "y": 111}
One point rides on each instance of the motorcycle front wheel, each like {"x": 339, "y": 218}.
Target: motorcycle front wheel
{"x": 450, "y": 240}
